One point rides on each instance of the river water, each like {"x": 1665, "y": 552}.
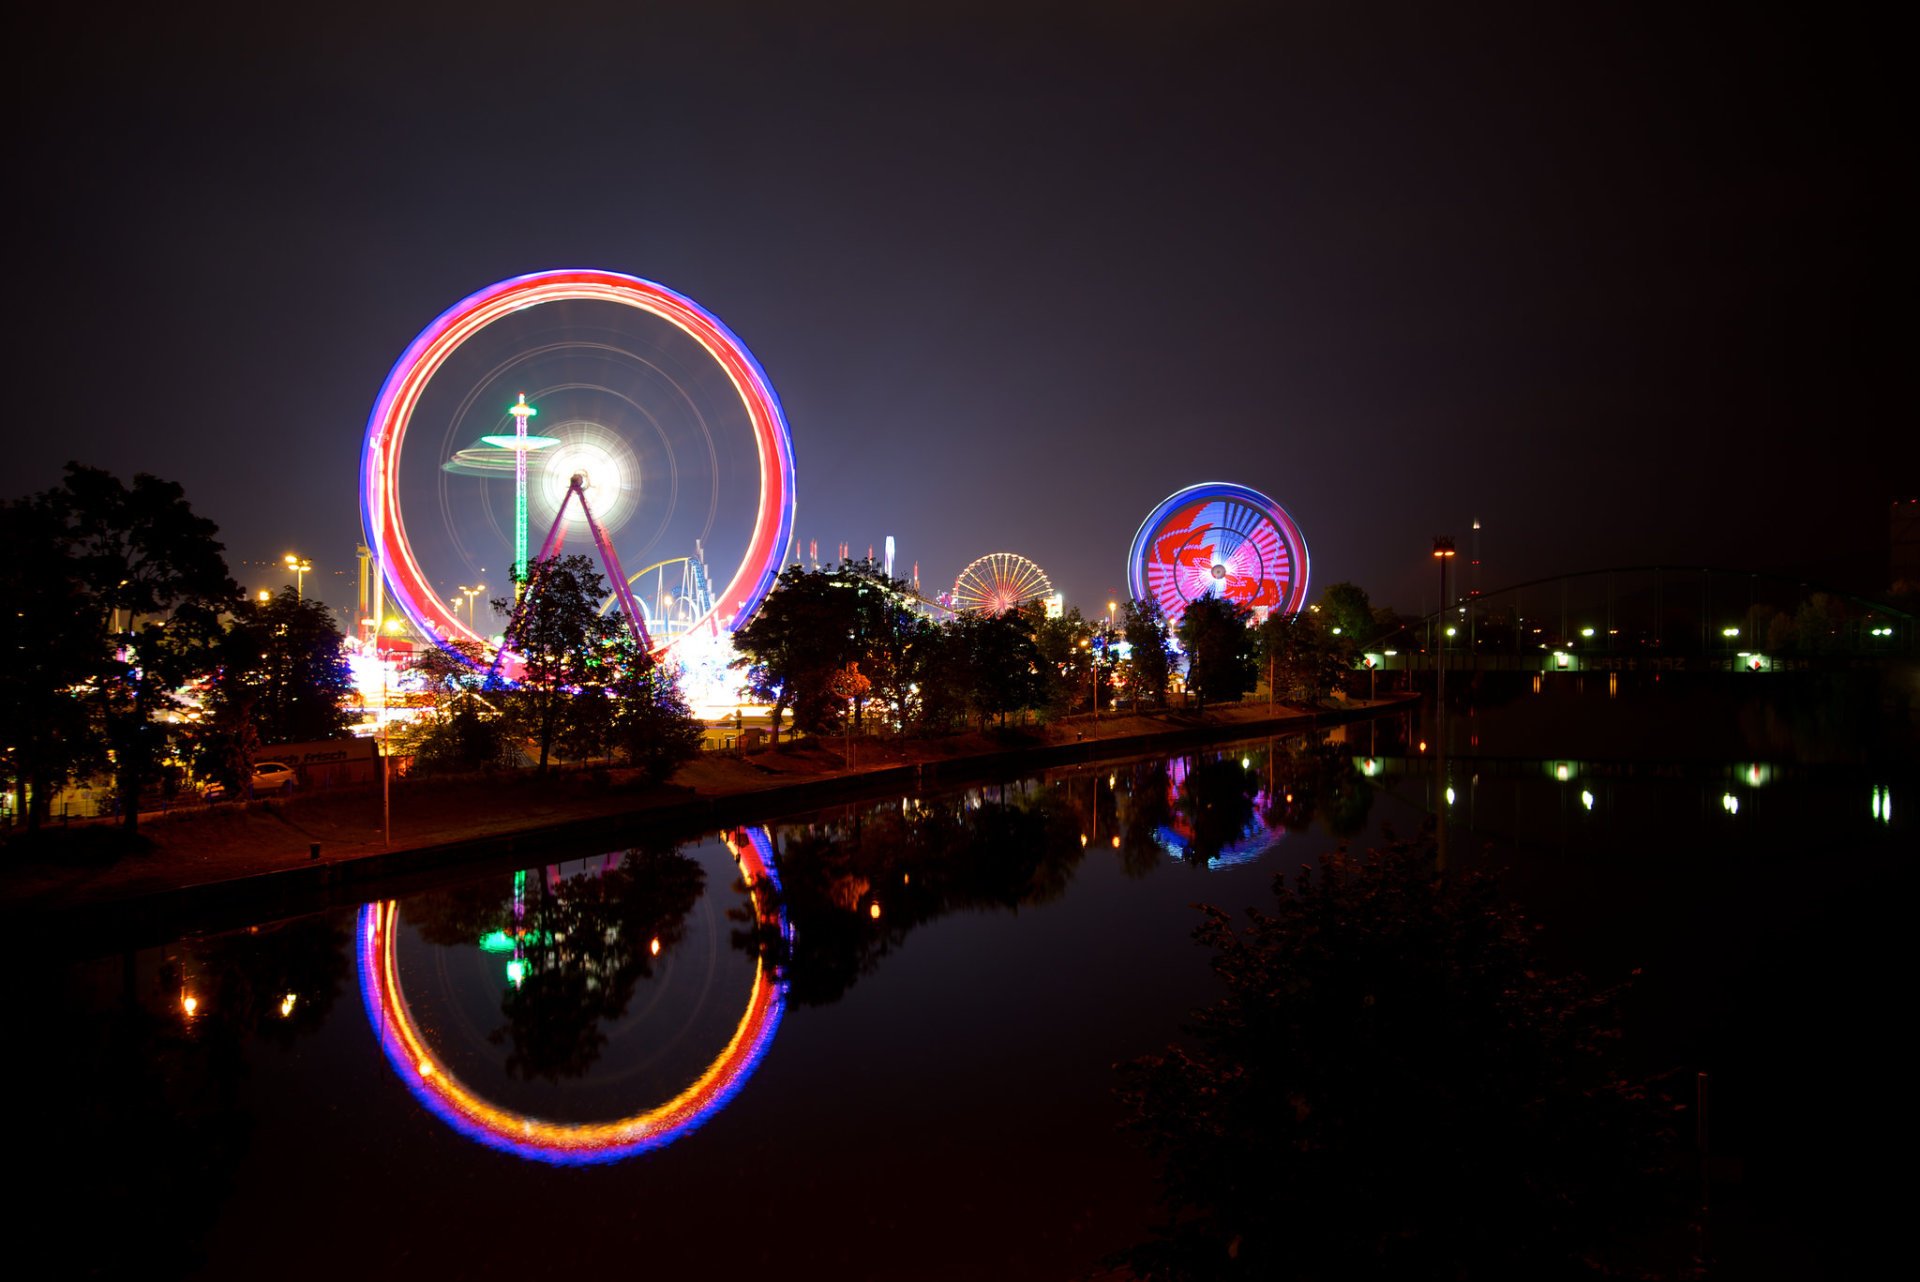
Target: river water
{"x": 880, "y": 1041}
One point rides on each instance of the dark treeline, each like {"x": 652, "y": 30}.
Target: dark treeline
{"x": 131, "y": 653}
{"x": 850, "y": 649}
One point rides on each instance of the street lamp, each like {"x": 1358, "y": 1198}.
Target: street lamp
{"x": 1442, "y": 553}
{"x": 470, "y": 594}
{"x": 299, "y": 565}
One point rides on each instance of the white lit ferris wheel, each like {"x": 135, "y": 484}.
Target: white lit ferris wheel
{"x": 998, "y": 582}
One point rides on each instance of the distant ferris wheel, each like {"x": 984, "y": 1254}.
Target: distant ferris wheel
{"x": 998, "y": 582}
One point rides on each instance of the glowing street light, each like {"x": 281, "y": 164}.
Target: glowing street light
{"x": 470, "y": 593}
{"x": 299, "y": 565}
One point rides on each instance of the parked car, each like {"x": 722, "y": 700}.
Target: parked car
{"x": 269, "y": 778}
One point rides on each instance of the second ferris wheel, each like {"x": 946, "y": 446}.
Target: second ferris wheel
{"x": 1222, "y": 540}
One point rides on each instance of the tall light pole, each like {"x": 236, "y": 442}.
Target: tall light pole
{"x": 1442, "y": 553}
{"x": 386, "y": 745}
{"x": 299, "y": 565}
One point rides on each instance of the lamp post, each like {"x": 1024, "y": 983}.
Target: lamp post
{"x": 299, "y": 565}
{"x": 386, "y": 748}
{"x": 1442, "y": 553}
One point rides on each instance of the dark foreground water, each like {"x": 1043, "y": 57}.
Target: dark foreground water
{"x": 879, "y": 1042}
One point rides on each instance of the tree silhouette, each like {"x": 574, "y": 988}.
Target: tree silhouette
{"x": 155, "y": 583}
{"x": 562, "y": 639}
{"x": 1220, "y": 649}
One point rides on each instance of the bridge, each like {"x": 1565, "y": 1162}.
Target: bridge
{"x": 1652, "y": 618}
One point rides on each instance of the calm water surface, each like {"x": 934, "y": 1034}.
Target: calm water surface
{"x": 879, "y": 1041}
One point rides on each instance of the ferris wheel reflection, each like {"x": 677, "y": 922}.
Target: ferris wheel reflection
{"x": 427, "y": 1075}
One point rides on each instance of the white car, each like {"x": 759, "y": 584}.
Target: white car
{"x": 269, "y": 778}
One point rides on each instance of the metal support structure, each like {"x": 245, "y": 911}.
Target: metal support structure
{"x": 556, "y": 538}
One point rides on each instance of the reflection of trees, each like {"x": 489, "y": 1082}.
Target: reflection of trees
{"x": 1149, "y": 808}
{"x": 586, "y": 943}
{"x": 1313, "y": 776}
{"x": 1216, "y": 801}
{"x": 124, "y": 1070}
{"x": 978, "y": 852}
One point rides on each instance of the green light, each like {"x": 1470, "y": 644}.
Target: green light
{"x": 516, "y": 972}
{"x": 497, "y": 942}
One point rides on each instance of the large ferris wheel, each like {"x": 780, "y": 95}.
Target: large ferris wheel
{"x": 1221, "y": 540}
{"x": 998, "y": 582}
{"x": 663, "y": 437}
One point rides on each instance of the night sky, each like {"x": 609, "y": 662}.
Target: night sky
{"x": 1611, "y": 279}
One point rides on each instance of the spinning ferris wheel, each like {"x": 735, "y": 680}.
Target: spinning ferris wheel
{"x": 1219, "y": 540}
{"x": 998, "y": 582}
{"x": 660, "y": 436}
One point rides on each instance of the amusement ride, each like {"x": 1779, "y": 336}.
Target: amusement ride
{"x": 1219, "y": 539}
{"x": 667, "y": 449}
{"x": 998, "y": 582}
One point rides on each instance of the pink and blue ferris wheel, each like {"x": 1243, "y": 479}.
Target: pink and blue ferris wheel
{"x": 1219, "y": 539}
{"x": 674, "y": 428}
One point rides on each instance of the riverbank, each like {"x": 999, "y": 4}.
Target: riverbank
{"x": 192, "y": 866}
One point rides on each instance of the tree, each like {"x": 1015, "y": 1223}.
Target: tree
{"x": 1150, "y": 652}
{"x": 793, "y": 645}
{"x": 1003, "y": 667}
{"x": 285, "y": 661}
{"x": 1220, "y": 647}
{"x": 815, "y": 623}
{"x": 462, "y": 730}
{"x": 563, "y": 642}
{"x": 652, "y": 723}
{"x": 1345, "y": 612}
{"x": 155, "y": 584}
{"x": 50, "y": 649}
{"x": 1064, "y": 645}
{"x": 1392, "y": 1085}
{"x": 1304, "y": 659}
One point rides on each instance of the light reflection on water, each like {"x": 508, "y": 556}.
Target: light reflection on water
{"x": 543, "y": 954}
{"x": 935, "y": 986}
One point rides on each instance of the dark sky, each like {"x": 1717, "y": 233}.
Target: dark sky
{"x": 1607, "y": 277}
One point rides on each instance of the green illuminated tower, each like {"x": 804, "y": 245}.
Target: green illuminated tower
{"x": 521, "y": 413}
